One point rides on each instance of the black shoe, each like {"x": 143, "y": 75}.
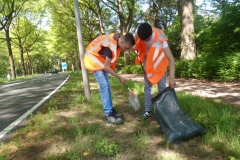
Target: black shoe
{"x": 111, "y": 118}
{"x": 144, "y": 116}
{"x": 119, "y": 115}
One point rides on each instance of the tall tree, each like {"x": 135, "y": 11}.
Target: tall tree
{"x": 187, "y": 37}
{"x": 9, "y": 10}
{"x": 161, "y": 13}
{"x": 63, "y": 31}
{"x": 3, "y": 58}
{"x": 125, "y": 11}
{"x": 25, "y": 35}
{"x": 96, "y": 8}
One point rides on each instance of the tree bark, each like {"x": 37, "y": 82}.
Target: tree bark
{"x": 187, "y": 38}
{"x": 22, "y": 58}
{"x": 127, "y": 58}
{"x": 11, "y": 60}
{"x": 78, "y": 63}
{"x": 100, "y": 16}
{"x": 125, "y": 18}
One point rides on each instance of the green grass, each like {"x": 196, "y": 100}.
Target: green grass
{"x": 71, "y": 127}
{"x": 5, "y": 80}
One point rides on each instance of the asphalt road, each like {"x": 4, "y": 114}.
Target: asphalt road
{"x": 21, "y": 98}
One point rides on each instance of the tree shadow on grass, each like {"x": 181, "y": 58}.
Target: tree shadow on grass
{"x": 73, "y": 134}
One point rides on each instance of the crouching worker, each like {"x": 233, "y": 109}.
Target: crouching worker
{"x": 100, "y": 58}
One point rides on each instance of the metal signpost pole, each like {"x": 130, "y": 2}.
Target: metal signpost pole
{"x": 81, "y": 49}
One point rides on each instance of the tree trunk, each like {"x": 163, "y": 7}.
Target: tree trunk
{"x": 11, "y": 60}
{"x": 100, "y": 17}
{"x": 29, "y": 64}
{"x": 30, "y": 68}
{"x": 125, "y": 16}
{"x": 187, "y": 39}
{"x": 22, "y": 59}
{"x": 127, "y": 58}
{"x": 179, "y": 7}
{"x": 72, "y": 66}
{"x": 78, "y": 63}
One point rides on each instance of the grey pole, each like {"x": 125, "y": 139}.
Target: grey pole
{"x": 81, "y": 50}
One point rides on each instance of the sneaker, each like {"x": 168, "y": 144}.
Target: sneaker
{"x": 118, "y": 115}
{"x": 111, "y": 118}
{"x": 144, "y": 116}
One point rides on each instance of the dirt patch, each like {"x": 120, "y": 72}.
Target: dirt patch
{"x": 221, "y": 92}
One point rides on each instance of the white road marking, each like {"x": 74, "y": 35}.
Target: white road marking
{"x": 20, "y": 119}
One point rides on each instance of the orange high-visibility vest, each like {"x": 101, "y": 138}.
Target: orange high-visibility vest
{"x": 156, "y": 62}
{"x": 92, "y": 60}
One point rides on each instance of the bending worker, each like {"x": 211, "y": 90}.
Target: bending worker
{"x": 154, "y": 52}
{"x": 100, "y": 58}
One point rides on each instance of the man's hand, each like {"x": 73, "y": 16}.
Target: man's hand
{"x": 172, "y": 83}
{"x": 122, "y": 80}
{"x": 112, "y": 72}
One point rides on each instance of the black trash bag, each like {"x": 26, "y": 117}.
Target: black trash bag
{"x": 174, "y": 123}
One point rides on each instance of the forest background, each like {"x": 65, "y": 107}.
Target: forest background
{"x": 38, "y": 35}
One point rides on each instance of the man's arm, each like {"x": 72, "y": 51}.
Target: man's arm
{"x": 171, "y": 60}
{"x": 112, "y": 72}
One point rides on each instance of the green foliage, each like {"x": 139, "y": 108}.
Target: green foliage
{"x": 4, "y": 63}
{"x": 4, "y": 60}
{"x": 131, "y": 69}
{"x": 229, "y": 67}
{"x": 78, "y": 131}
{"x": 120, "y": 63}
{"x": 173, "y": 34}
{"x": 225, "y": 68}
{"x": 105, "y": 148}
{"x": 217, "y": 119}
{"x": 220, "y": 35}
{"x": 73, "y": 154}
{"x": 4, "y": 153}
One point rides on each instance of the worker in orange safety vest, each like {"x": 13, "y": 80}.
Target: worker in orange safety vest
{"x": 100, "y": 58}
{"x": 153, "y": 50}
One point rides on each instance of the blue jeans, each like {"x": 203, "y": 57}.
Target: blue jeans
{"x": 105, "y": 90}
{"x": 147, "y": 89}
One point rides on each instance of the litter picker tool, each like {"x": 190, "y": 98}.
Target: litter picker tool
{"x": 130, "y": 91}
{"x": 137, "y": 53}
{"x": 133, "y": 99}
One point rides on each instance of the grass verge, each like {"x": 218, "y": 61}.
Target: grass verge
{"x": 5, "y": 80}
{"x": 70, "y": 127}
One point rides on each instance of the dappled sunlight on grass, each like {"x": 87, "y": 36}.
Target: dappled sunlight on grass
{"x": 71, "y": 127}
{"x": 94, "y": 85}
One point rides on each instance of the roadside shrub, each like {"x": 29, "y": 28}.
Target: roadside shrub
{"x": 182, "y": 68}
{"x": 120, "y": 64}
{"x": 229, "y": 68}
{"x": 131, "y": 69}
{"x": 225, "y": 68}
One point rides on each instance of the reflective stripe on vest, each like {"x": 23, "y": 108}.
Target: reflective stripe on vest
{"x": 91, "y": 57}
{"x": 158, "y": 46}
{"x": 106, "y": 43}
{"x": 111, "y": 45}
{"x": 94, "y": 59}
